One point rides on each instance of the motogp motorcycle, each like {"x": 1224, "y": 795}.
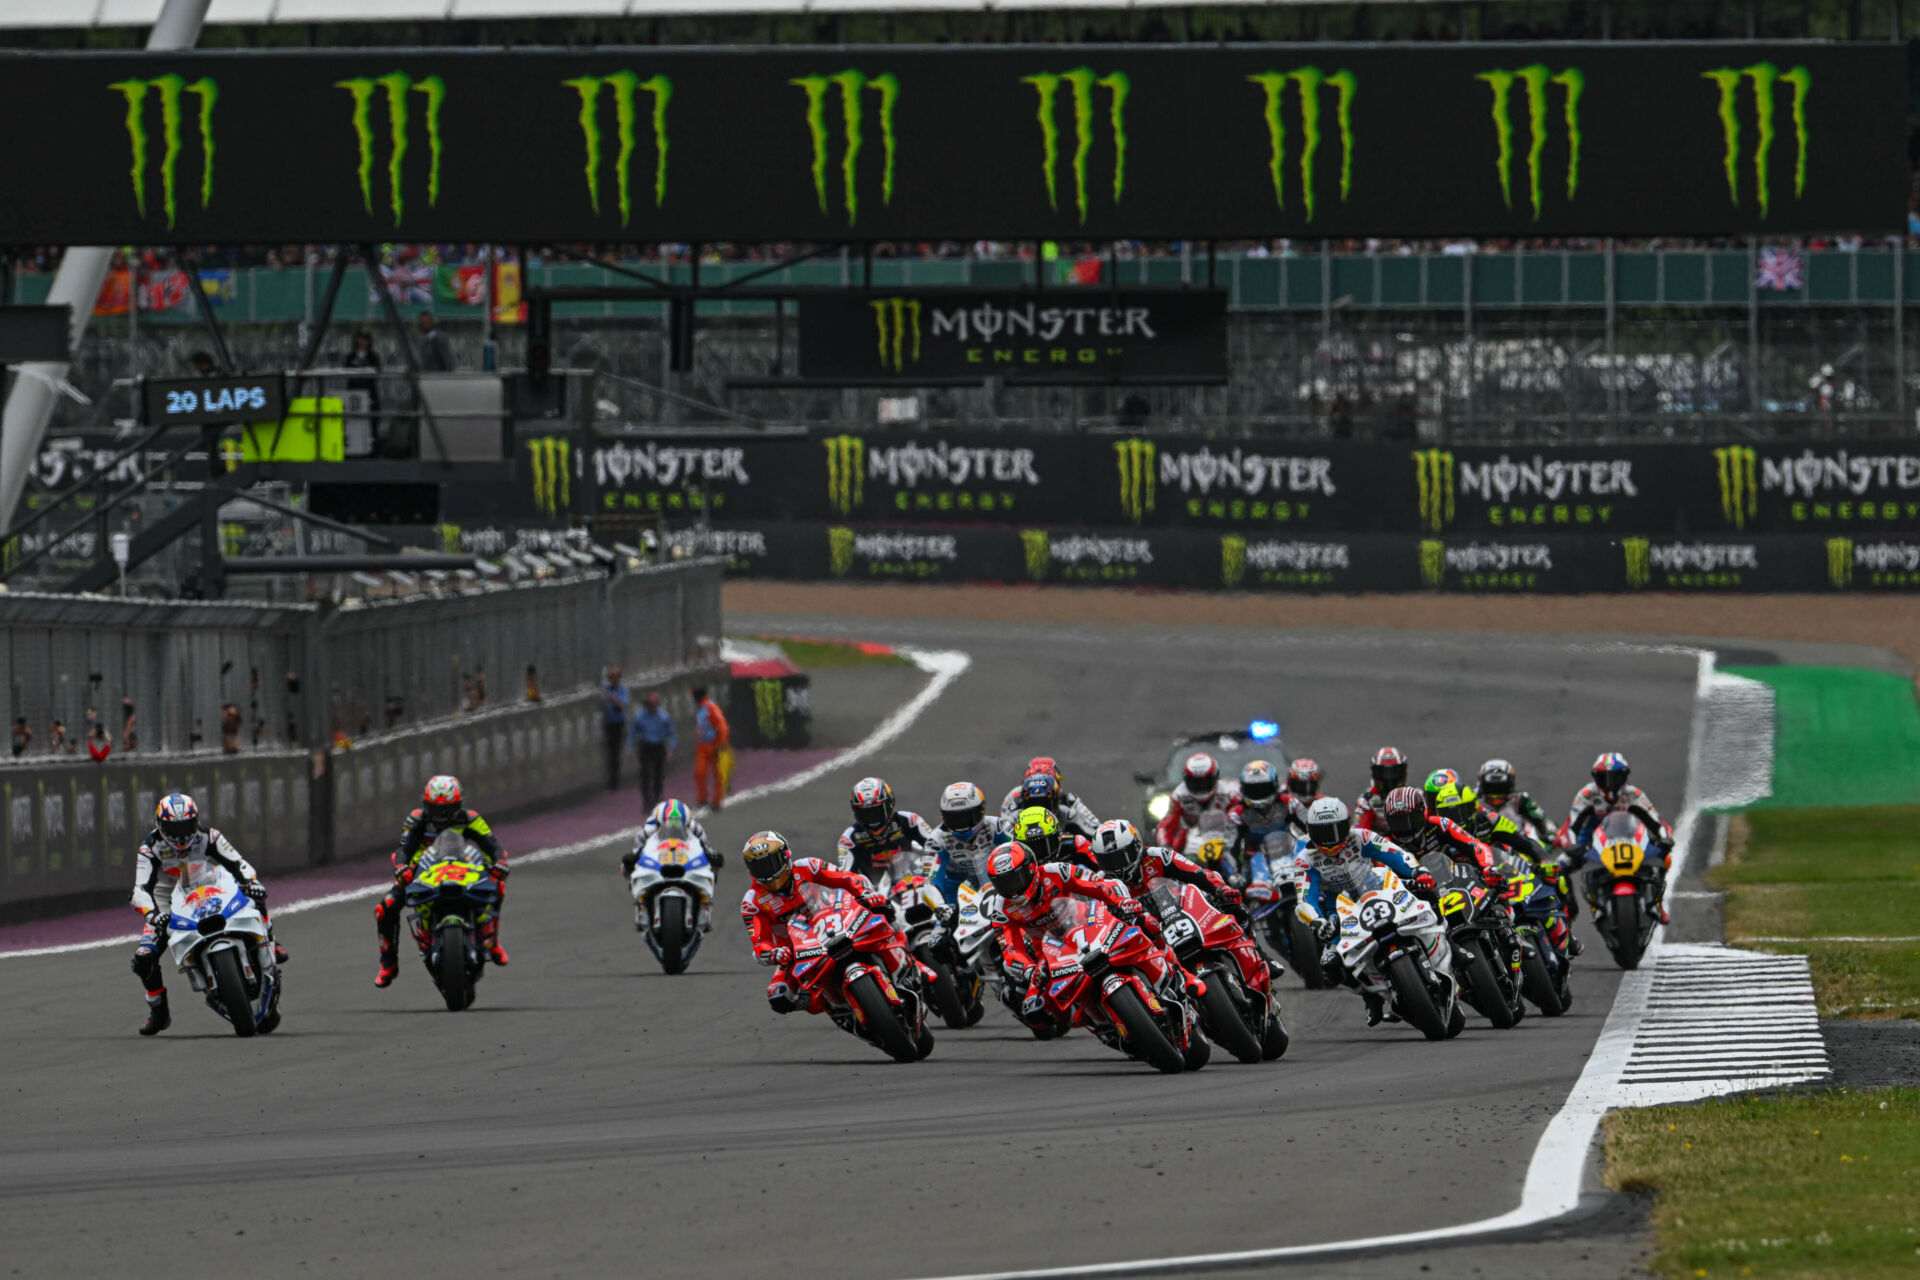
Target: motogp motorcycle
{"x": 1110, "y": 977}
{"x": 218, "y": 938}
{"x": 1394, "y": 944}
{"x": 1536, "y": 906}
{"x": 1472, "y": 914}
{"x": 842, "y": 951}
{"x": 1279, "y": 918}
{"x": 451, "y": 895}
{"x": 1239, "y": 1010}
{"x": 1622, "y": 886}
{"x": 672, "y": 886}
{"x": 922, "y": 913}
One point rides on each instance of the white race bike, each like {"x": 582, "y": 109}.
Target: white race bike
{"x": 218, "y": 938}
{"x": 672, "y": 885}
{"x": 1394, "y": 944}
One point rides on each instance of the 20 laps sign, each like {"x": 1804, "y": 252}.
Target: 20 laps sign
{"x": 187, "y": 401}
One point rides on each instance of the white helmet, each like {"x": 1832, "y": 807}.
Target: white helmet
{"x": 962, "y": 806}
{"x": 1328, "y": 823}
{"x": 1117, "y": 848}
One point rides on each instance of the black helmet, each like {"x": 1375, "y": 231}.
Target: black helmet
{"x": 1406, "y": 812}
{"x": 1013, "y": 870}
{"x": 1497, "y": 781}
{"x": 769, "y": 860}
{"x": 1118, "y": 850}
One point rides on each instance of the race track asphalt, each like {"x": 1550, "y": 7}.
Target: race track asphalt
{"x": 591, "y": 1116}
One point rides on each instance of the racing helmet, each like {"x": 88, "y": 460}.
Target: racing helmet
{"x": 1497, "y": 781}
{"x": 1260, "y": 785}
{"x": 1328, "y": 823}
{"x": 669, "y": 815}
{"x": 1039, "y": 831}
{"x": 1043, "y": 764}
{"x": 1406, "y": 813}
{"x": 1610, "y": 773}
{"x": 769, "y": 860}
{"x": 872, "y": 803}
{"x": 962, "y": 806}
{"x": 1389, "y": 769}
{"x": 1454, "y": 801}
{"x": 1014, "y": 871}
{"x": 178, "y": 819}
{"x": 1201, "y": 774}
{"x": 1118, "y": 850}
{"x": 441, "y": 800}
{"x": 1041, "y": 789}
{"x": 1438, "y": 781}
{"x": 1303, "y": 778}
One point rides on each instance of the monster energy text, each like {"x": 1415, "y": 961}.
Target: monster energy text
{"x": 1765, "y": 77}
{"x": 626, "y": 86}
{"x": 1081, "y": 82}
{"x": 1308, "y": 80}
{"x": 396, "y": 86}
{"x": 1535, "y": 79}
{"x": 851, "y": 83}
{"x": 168, "y": 89}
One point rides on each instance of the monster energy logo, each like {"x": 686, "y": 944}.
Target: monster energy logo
{"x": 168, "y": 89}
{"x": 840, "y": 551}
{"x": 1433, "y": 473}
{"x": 1433, "y": 563}
{"x": 1840, "y": 562}
{"x": 395, "y": 85}
{"x": 1737, "y": 468}
{"x": 770, "y": 709}
{"x": 846, "y": 472}
{"x": 1535, "y": 79}
{"x": 1233, "y": 559}
{"x": 1081, "y": 81}
{"x": 896, "y": 323}
{"x": 626, "y": 87}
{"x": 1035, "y": 546}
{"x": 1764, "y": 76}
{"x": 1135, "y": 462}
{"x": 1309, "y": 81}
{"x": 851, "y": 84}
{"x": 552, "y": 478}
{"x": 1639, "y": 553}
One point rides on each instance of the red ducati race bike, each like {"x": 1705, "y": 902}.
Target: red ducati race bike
{"x": 1239, "y": 1010}
{"x": 849, "y": 955}
{"x": 1110, "y": 977}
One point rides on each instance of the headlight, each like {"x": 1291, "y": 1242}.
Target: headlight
{"x": 1158, "y": 806}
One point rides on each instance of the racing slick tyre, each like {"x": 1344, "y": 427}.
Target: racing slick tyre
{"x": 1199, "y": 1050}
{"x": 1627, "y": 947}
{"x": 1483, "y": 989}
{"x": 923, "y": 1044}
{"x": 881, "y": 1022}
{"x": 670, "y": 931}
{"x": 1306, "y": 955}
{"x": 943, "y": 994}
{"x": 227, "y": 980}
{"x": 456, "y": 984}
{"x": 1456, "y": 1020}
{"x": 1273, "y": 1039}
{"x": 1411, "y": 999}
{"x": 1224, "y": 1023}
{"x": 1144, "y": 1037}
{"x": 1537, "y": 983}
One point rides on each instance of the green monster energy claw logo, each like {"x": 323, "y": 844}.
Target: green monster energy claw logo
{"x": 1764, "y": 77}
{"x": 396, "y": 86}
{"x": 626, "y": 86}
{"x": 1233, "y": 560}
{"x": 1433, "y": 563}
{"x": 1135, "y": 461}
{"x": 1639, "y": 561}
{"x": 851, "y": 83}
{"x": 552, "y": 478}
{"x": 1534, "y": 80}
{"x": 1308, "y": 81}
{"x": 168, "y": 89}
{"x": 1737, "y": 469}
{"x": 1081, "y": 81}
{"x": 846, "y": 472}
{"x": 840, "y": 551}
{"x": 1433, "y": 474}
{"x": 1038, "y": 550}
{"x": 450, "y": 539}
{"x": 1840, "y": 562}
{"x": 896, "y": 324}
{"x": 770, "y": 709}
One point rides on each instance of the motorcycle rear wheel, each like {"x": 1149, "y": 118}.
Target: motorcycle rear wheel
{"x": 670, "y": 932}
{"x": 456, "y": 987}
{"x": 1412, "y": 1000}
{"x": 881, "y": 1021}
{"x": 232, "y": 986}
{"x": 1144, "y": 1037}
{"x": 1483, "y": 988}
{"x": 1627, "y": 947}
{"x": 1224, "y": 1024}
{"x": 1537, "y": 982}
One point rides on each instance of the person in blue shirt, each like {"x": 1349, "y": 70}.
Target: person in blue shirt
{"x": 614, "y": 704}
{"x": 653, "y": 739}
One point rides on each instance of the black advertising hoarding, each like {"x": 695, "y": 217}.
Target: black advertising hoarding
{"x": 893, "y": 142}
{"x": 1862, "y": 488}
{"x": 1083, "y": 335}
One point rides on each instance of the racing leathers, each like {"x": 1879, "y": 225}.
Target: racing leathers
{"x": 1524, "y": 812}
{"x": 765, "y": 912}
{"x": 1444, "y": 836}
{"x": 1370, "y": 809}
{"x": 1345, "y": 870}
{"x": 1187, "y": 811}
{"x": 417, "y": 833}
{"x": 1255, "y": 833}
{"x": 962, "y": 855}
{"x": 651, "y": 828}
{"x": 1591, "y": 806}
{"x": 868, "y": 852}
{"x": 156, "y": 871}
{"x": 1072, "y": 811}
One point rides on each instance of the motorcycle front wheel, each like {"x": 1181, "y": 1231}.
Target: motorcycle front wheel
{"x": 1411, "y": 998}
{"x": 944, "y": 995}
{"x": 1627, "y": 946}
{"x": 456, "y": 986}
{"x": 1483, "y": 987}
{"x": 881, "y": 1022}
{"x": 1144, "y": 1036}
{"x": 1537, "y": 983}
{"x": 1224, "y": 1023}
{"x": 232, "y": 986}
{"x": 1306, "y": 955}
{"x": 670, "y": 931}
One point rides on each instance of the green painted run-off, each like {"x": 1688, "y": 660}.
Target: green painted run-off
{"x": 1842, "y": 736}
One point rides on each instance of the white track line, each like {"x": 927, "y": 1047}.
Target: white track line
{"x": 944, "y": 665}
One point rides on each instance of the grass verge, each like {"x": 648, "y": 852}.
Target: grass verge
{"x": 1826, "y": 874}
{"x": 1795, "y": 1185}
{"x": 816, "y": 655}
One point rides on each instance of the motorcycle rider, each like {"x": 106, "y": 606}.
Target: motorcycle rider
{"x": 440, "y": 810}
{"x": 1256, "y": 814}
{"x": 1389, "y": 770}
{"x": 775, "y": 895}
{"x": 675, "y": 821}
{"x": 1610, "y": 793}
{"x": 1119, "y": 852}
{"x": 1499, "y": 792}
{"x": 1339, "y": 858}
{"x": 1040, "y": 830}
{"x": 1453, "y": 799}
{"x": 176, "y": 839}
{"x": 880, "y": 831}
{"x": 1198, "y": 794}
{"x": 1420, "y": 832}
{"x": 1052, "y": 794}
{"x": 966, "y": 835}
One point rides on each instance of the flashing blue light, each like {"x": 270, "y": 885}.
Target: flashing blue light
{"x": 1263, "y": 730}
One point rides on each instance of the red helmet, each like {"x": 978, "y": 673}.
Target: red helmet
{"x": 1303, "y": 778}
{"x": 1202, "y": 774}
{"x": 442, "y": 798}
{"x": 1406, "y": 812}
{"x": 872, "y": 803}
{"x": 1389, "y": 768}
{"x": 1043, "y": 764}
{"x": 1014, "y": 871}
